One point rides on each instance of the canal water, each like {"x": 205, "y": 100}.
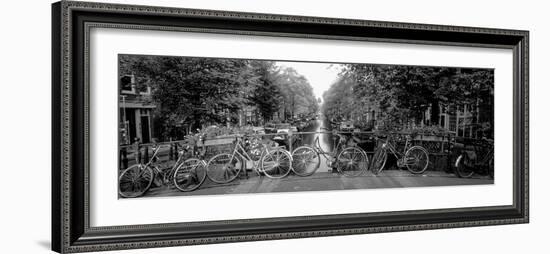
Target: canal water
{"x": 325, "y": 141}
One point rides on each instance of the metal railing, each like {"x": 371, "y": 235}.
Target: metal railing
{"x": 439, "y": 146}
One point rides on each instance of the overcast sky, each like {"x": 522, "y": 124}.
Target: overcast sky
{"x": 319, "y": 75}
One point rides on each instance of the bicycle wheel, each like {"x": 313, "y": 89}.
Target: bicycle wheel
{"x": 462, "y": 170}
{"x": 135, "y": 181}
{"x": 276, "y": 163}
{"x": 416, "y": 159}
{"x": 378, "y": 161}
{"x": 190, "y": 175}
{"x": 167, "y": 172}
{"x": 351, "y": 162}
{"x": 223, "y": 168}
{"x": 305, "y": 161}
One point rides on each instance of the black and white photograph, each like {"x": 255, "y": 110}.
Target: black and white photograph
{"x": 273, "y": 127}
{"x": 216, "y": 126}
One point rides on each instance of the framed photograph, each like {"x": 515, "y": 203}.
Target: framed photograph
{"x": 178, "y": 126}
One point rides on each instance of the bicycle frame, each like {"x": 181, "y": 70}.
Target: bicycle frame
{"x": 319, "y": 149}
{"x": 466, "y": 166}
{"x": 400, "y": 156}
{"x": 387, "y": 145}
{"x": 154, "y": 167}
{"x": 487, "y": 156}
{"x": 241, "y": 152}
{"x": 155, "y": 153}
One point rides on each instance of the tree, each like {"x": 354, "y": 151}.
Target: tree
{"x": 404, "y": 93}
{"x": 195, "y": 91}
{"x": 265, "y": 94}
{"x": 297, "y": 94}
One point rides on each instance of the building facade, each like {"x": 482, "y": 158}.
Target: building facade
{"x": 135, "y": 111}
{"x": 469, "y": 121}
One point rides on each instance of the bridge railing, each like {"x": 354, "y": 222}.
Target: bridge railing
{"x": 438, "y": 145}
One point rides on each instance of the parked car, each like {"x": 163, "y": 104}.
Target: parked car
{"x": 258, "y": 130}
{"x": 282, "y": 128}
{"x": 346, "y": 126}
{"x": 270, "y": 128}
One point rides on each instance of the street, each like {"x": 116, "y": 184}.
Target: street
{"x": 324, "y": 178}
{"x": 324, "y": 181}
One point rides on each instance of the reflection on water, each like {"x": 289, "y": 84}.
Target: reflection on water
{"x": 323, "y": 131}
{"x": 325, "y": 142}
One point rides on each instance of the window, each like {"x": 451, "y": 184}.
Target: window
{"x": 126, "y": 83}
{"x": 460, "y": 132}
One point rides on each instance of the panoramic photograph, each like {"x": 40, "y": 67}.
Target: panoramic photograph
{"x": 218, "y": 126}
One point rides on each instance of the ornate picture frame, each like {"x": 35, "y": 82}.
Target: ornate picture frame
{"x": 71, "y": 229}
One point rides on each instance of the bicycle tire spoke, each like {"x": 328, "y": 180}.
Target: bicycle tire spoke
{"x": 269, "y": 156}
{"x": 355, "y": 154}
{"x": 347, "y": 167}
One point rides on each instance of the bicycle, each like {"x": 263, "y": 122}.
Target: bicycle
{"x": 187, "y": 177}
{"x": 415, "y": 158}
{"x": 467, "y": 163}
{"x": 274, "y": 163}
{"x": 349, "y": 161}
{"x": 137, "y": 179}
